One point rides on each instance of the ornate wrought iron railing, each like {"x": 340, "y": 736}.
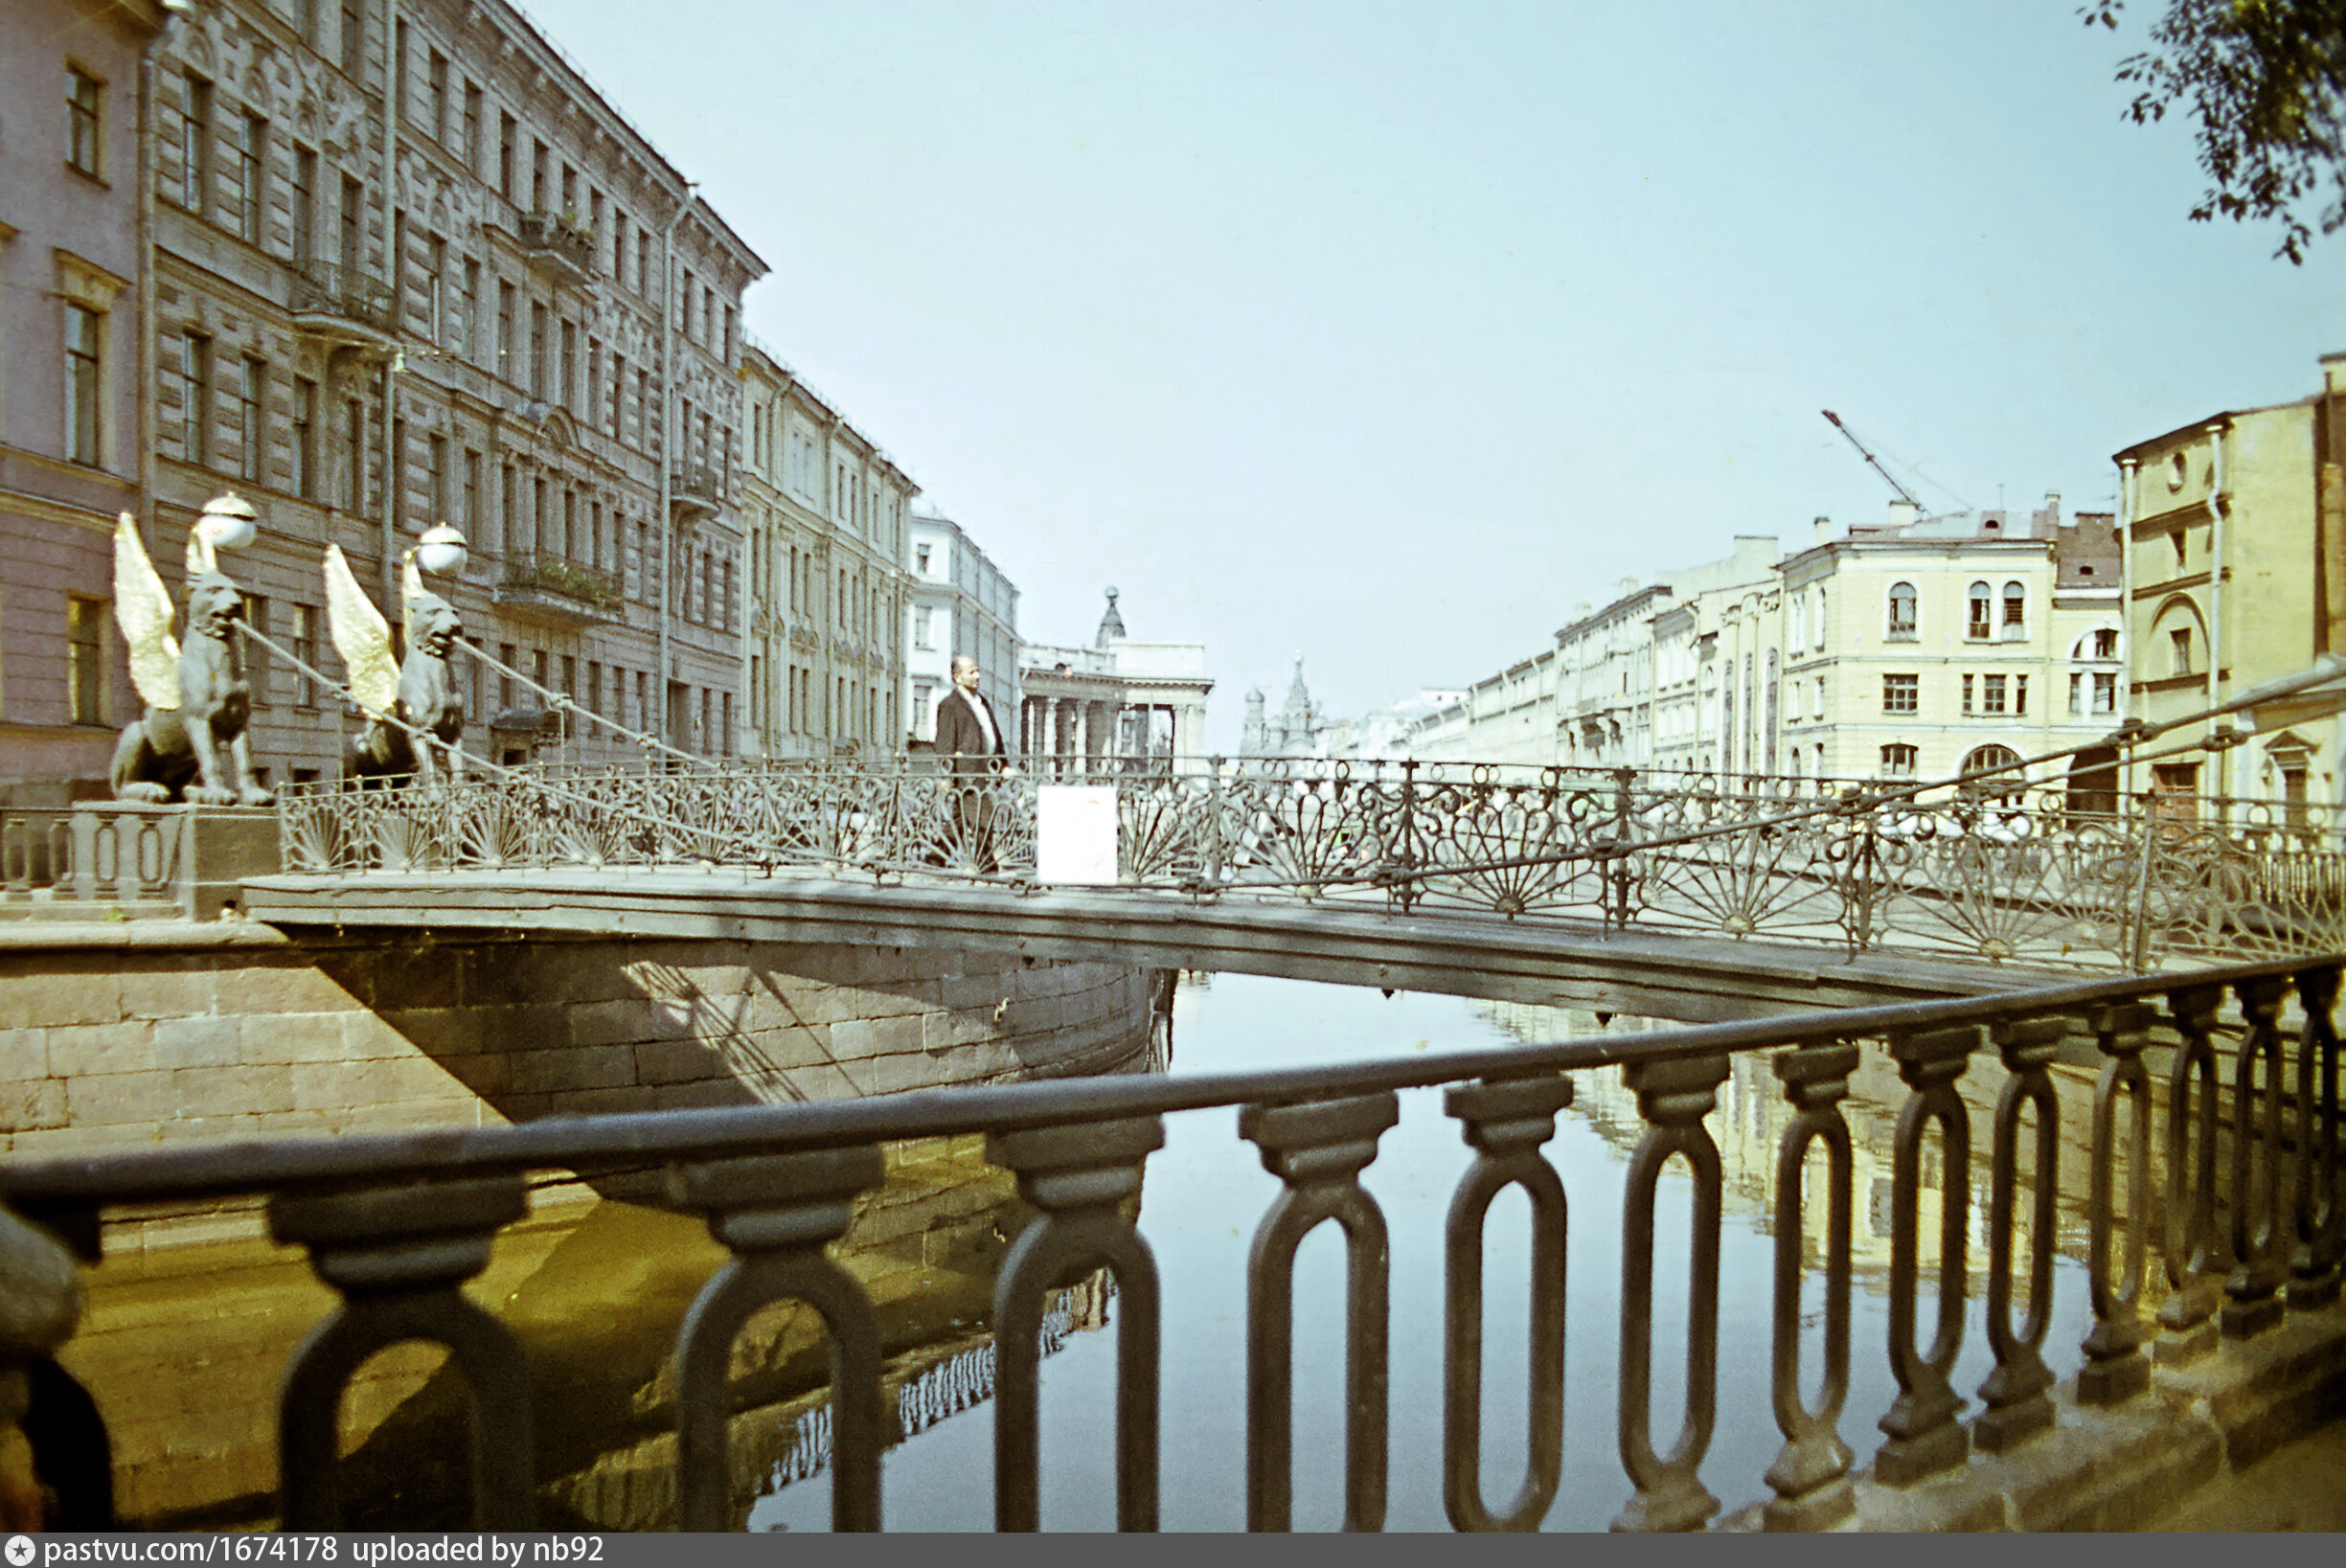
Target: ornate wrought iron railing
{"x": 322, "y": 288}
{"x": 557, "y": 574}
{"x": 2038, "y": 875}
{"x": 2222, "y": 1237}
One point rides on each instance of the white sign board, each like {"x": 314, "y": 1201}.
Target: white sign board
{"x": 1075, "y": 834}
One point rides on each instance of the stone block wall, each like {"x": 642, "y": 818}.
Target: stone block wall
{"x": 103, "y": 1042}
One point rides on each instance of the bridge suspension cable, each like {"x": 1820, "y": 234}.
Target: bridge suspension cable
{"x": 764, "y": 853}
{"x": 566, "y": 703}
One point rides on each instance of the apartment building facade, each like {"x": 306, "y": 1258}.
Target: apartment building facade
{"x": 2235, "y": 575}
{"x": 1926, "y": 647}
{"x": 71, "y": 434}
{"x": 827, "y": 515}
{"x": 410, "y": 267}
{"x": 961, "y": 603}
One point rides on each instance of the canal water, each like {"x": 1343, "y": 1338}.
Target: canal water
{"x": 1207, "y": 1189}
{"x": 594, "y": 1289}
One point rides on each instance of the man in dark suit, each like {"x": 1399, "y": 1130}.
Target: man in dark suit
{"x": 970, "y": 744}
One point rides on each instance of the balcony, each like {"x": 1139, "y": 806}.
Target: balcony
{"x": 695, "y": 491}
{"x": 559, "y": 245}
{"x": 540, "y": 587}
{"x": 343, "y": 305}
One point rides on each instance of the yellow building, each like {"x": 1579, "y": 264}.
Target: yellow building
{"x": 2235, "y": 574}
{"x": 826, "y": 515}
{"x": 1925, "y": 646}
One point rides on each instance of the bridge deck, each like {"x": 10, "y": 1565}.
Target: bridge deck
{"x": 1663, "y": 975}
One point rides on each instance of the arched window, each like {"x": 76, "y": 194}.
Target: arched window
{"x": 1902, "y": 623}
{"x": 1982, "y": 623}
{"x": 1816, "y": 627}
{"x": 1898, "y": 761}
{"x": 2015, "y": 612}
{"x": 1985, "y": 758}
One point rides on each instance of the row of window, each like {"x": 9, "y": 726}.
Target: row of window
{"x": 2091, "y": 693}
{"x": 528, "y": 514}
{"x": 452, "y": 109}
{"x": 803, "y": 703}
{"x": 861, "y": 502}
{"x": 1982, "y": 621}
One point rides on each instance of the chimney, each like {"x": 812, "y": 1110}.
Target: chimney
{"x": 1628, "y": 585}
{"x": 1904, "y": 512}
{"x": 1824, "y": 531}
{"x": 2333, "y": 373}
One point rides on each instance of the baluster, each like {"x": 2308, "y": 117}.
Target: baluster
{"x": 1319, "y": 1152}
{"x": 399, "y": 1257}
{"x": 2258, "y": 1202}
{"x": 777, "y": 1213}
{"x": 2190, "y": 1239}
{"x": 1674, "y": 1097}
{"x": 1924, "y": 1436}
{"x": 1811, "y": 1474}
{"x": 1216, "y": 805}
{"x": 1505, "y": 1124}
{"x": 2115, "y": 1369}
{"x": 2014, "y": 1394}
{"x": 2313, "y": 1269}
{"x": 1079, "y": 1176}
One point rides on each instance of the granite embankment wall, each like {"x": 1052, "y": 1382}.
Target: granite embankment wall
{"x": 157, "y": 1030}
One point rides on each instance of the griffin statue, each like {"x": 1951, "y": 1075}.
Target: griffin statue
{"x": 419, "y": 691}
{"x": 197, "y": 699}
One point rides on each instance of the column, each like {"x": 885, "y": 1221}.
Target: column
{"x": 1189, "y": 729}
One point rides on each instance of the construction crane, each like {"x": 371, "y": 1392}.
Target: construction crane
{"x": 1904, "y": 494}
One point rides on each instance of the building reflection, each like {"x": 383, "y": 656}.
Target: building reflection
{"x": 1751, "y": 1115}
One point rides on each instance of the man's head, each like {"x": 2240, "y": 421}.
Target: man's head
{"x": 965, "y": 673}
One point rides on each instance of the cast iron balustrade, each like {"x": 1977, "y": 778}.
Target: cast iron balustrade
{"x": 2016, "y": 873}
{"x": 343, "y": 305}
{"x": 395, "y": 1223}
{"x": 547, "y": 586}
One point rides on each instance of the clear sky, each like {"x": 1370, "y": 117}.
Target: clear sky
{"x": 1390, "y": 333}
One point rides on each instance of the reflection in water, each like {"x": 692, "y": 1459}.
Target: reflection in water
{"x": 596, "y": 1292}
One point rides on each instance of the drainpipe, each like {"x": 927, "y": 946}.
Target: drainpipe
{"x": 146, "y": 247}
{"x": 388, "y": 532}
{"x": 667, "y": 442}
{"x": 2215, "y": 601}
{"x": 2130, "y": 479}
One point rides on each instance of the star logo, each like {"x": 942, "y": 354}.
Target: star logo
{"x": 19, "y": 1551}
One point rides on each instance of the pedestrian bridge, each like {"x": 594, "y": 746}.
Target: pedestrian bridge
{"x": 1665, "y": 895}
{"x": 2190, "y": 960}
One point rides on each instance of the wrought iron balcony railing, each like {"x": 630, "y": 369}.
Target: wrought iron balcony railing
{"x": 2223, "y": 1241}
{"x": 324, "y": 291}
{"x": 554, "y": 573}
{"x": 1995, "y": 870}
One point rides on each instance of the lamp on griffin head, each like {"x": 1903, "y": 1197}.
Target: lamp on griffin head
{"x": 227, "y": 522}
{"x": 440, "y": 552}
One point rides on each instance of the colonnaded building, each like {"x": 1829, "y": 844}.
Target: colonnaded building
{"x": 410, "y": 267}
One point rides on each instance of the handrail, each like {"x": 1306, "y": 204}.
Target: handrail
{"x": 649, "y": 1137}
{"x": 397, "y": 1224}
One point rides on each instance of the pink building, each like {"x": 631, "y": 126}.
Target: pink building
{"x": 71, "y": 439}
